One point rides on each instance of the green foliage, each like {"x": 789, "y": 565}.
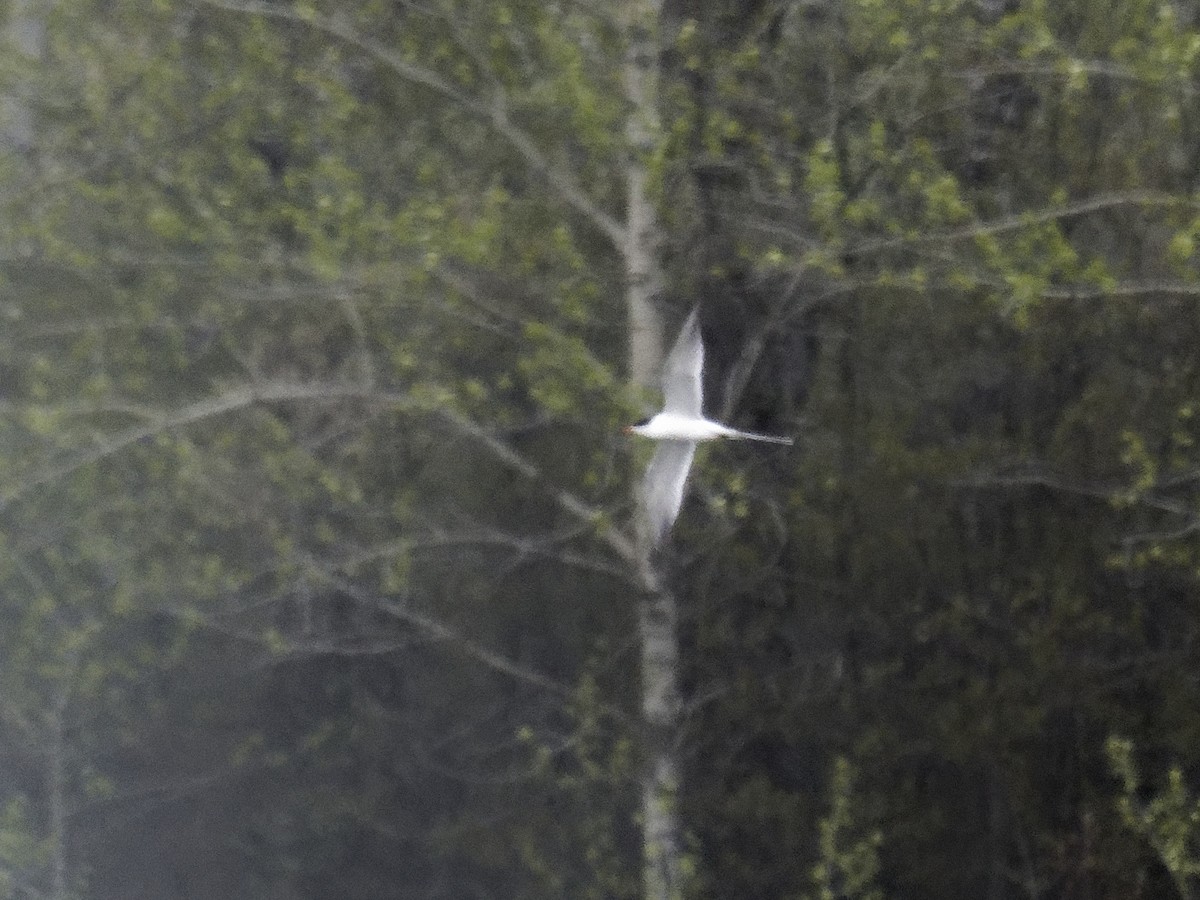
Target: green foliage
{"x": 19, "y": 850}
{"x": 588, "y": 852}
{"x": 849, "y": 858}
{"x": 1169, "y": 820}
{"x": 288, "y": 288}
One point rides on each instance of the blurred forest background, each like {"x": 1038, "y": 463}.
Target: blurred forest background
{"x": 314, "y": 353}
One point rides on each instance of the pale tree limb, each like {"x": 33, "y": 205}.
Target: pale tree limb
{"x": 1002, "y": 225}
{"x": 442, "y": 632}
{"x": 431, "y": 629}
{"x": 1127, "y": 289}
{"x": 230, "y": 401}
{"x": 547, "y": 547}
{"x": 617, "y": 540}
{"x": 751, "y": 351}
{"x": 1018, "y": 221}
{"x": 494, "y": 114}
{"x": 247, "y": 395}
{"x": 1044, "y": 477}
{"x": 1034, "y": 475}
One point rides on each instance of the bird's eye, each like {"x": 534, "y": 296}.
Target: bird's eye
{"x": 641, "y": 422}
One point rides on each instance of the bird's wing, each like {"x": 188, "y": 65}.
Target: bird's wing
{"x": 682, "y": 379}
{"x": 662, "y": 488}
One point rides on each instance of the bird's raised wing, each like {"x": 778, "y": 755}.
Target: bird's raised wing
{"x": 682, "y": 380}
{"x": 662, "y": 488}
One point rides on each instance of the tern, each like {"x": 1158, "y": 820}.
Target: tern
{"x": 678, "y": 428}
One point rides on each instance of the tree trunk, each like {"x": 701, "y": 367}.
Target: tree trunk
{"x": 658, "y": 618}
{"x": 24, "y": 35}
{"x": 658, "y": 614}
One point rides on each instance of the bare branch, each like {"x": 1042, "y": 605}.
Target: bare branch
{"x": 1130, "y": 289}
{"x": 1102, "y": 67}
{"x": 562, "y": 182}
{"x": 547, "y": 547}
{"x": 495, "y": 113}
{"x": 1163, "y": 537}
{"x": 739, "y": 374}
{"x": 1024, "y": 220}
{"x": 1002, "y": 225}
{"x": 442, "y": 632}
{"x": 618, "y": 541}
{"x": 1036, "y": 476}
{"x": 212, "y": 407}
{"x": 247, "y": 395}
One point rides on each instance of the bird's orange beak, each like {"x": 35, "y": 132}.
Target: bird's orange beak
{"x": 628, "y": 429}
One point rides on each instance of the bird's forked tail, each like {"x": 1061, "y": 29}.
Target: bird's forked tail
{"x": 765, "y": 438}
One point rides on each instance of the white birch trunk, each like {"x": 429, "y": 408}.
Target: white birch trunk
{"x": 658, "y": 614}
{"x": 24, "y": 34}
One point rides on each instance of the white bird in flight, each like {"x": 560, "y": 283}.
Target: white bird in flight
{"x": 678, "y": 428}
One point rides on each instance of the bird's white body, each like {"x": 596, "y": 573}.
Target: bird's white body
{"x": 678, "y": 428}
{"x": 668, "y": 426}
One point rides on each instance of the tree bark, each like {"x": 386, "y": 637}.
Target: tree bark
{"x": 658, "y": 614}
{"x": 25, "y": 35}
